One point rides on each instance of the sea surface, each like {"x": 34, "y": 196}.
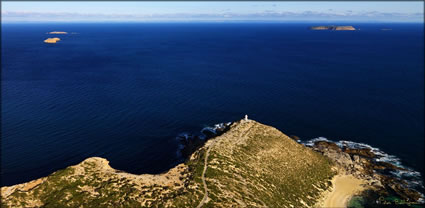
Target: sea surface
{"x": 125, "y": 91}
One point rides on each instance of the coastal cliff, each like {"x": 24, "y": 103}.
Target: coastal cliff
{"x": 332, "y": 28}
{"x": 249, "y": 165}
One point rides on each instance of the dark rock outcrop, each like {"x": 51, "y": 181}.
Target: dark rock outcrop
{"x": 365, "y": 152}
{"x": 191, "y": 142}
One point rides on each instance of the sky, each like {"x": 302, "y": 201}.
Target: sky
{"x": 113, "y": 11}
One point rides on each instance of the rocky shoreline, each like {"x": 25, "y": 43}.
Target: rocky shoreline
{"x": 189, "y": 143}
{"x": 366, "y": 163}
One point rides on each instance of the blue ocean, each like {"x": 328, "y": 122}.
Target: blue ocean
{"x": 125, "y": 91}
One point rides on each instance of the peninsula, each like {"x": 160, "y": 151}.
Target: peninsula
{"x": 332, "y": 28}
{"x": 248, "y": 164}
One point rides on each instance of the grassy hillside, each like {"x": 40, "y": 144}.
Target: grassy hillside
{"x": 251, "y": 165}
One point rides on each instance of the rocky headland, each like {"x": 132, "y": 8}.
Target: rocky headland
{"x": 239, "y": 164}
{"x": 332, "y": 28}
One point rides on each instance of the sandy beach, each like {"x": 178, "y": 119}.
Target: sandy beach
{"x": 344, "y": 187}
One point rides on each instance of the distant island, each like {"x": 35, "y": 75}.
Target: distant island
{"x": 242, "y": 164}
{"x": 332, "y": 28}
{"x": 52, "y": 40}
{"x": 58, "y": 32}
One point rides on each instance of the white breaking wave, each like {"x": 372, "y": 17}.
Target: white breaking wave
{"x": 213, "y": 129}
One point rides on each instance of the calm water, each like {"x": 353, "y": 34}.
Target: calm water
{"x": 125, "y": 91}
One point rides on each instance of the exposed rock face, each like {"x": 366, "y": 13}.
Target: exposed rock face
{"x": 52, "y": 40}
{"x": 332, "y": 28}
{"x": 250, "y": 165}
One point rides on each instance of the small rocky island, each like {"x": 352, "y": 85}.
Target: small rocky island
{"x": 332, "y": 27}
{"x": 58, "y": 33}
{"x": 52, "y": 40}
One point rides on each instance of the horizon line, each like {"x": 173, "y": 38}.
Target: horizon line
{"x": 216, "y": 21}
